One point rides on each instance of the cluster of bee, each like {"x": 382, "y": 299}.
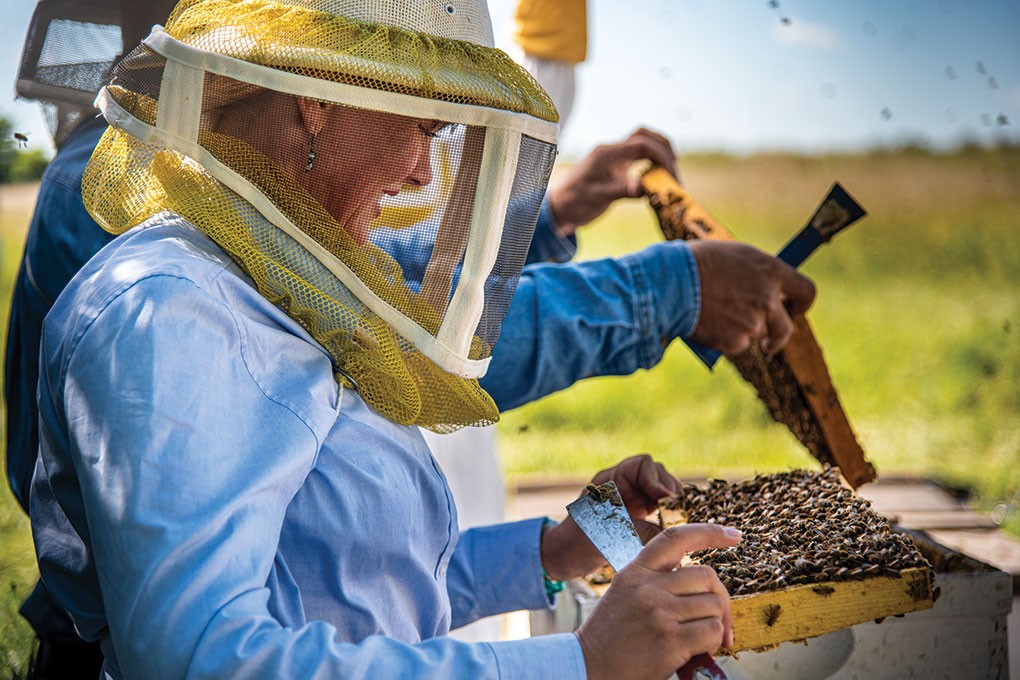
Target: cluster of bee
{"x": 779, "y": 390}
{"x": 799, "y": 527}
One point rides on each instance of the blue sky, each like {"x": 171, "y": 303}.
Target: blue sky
{"x": 743, "y": 76}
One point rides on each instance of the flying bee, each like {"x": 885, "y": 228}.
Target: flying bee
{"x": 22, "y": 139}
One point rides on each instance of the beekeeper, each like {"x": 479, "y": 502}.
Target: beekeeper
{"x": 230, "y": 483}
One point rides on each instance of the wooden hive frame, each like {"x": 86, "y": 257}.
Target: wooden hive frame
{"x": 838, "y": 586}
{"x": 797, "y": 613}
{"x": 887, "y": 576}
{"x": 764, "y": 620}
{"x": 794, "y": 384}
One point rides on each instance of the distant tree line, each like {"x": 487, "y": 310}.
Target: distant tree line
{"x": 18, "y": 164}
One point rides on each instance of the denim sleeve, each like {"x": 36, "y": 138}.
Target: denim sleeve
{"x": 602, "y": 317}
{"x": 61, "y": 238}
{"x": 547, "y": 245}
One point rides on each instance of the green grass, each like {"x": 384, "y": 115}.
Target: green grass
{"x": 18, "y": 572}
{"x": 17, "y": 576}
{"x": 918, "y": 313}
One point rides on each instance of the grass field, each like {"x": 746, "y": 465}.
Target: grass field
{"x": 17, "y": 560}
{"x": 918, "y": 313}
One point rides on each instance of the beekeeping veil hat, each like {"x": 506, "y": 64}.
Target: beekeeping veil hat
{"x": 68, "y": 52}
{"x": 69, "y": 49}
{"x": 357, "y": 88}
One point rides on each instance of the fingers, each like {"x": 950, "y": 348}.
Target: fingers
{"x": 747, "y": 296}
{"x": 701, "y": 622}
{"x": 652, "y": 620}
{"x": 666, "y": 550}
{"x": 641, "y": 144}
{"x": 642, "y": 482}
{"x": 695, "y": 580}
{"x": 707, "y": 634}
{"x": 656, "y": 148}
{"x": 702, "y": 605}
{"x": 653, "y": 480}
{"x": 799, "y": 291}
{"x": 644, "y": 144}
{"x": 796, "y": 294}
{"x": 699, "y": 598}
{"x": 601, "y": 177}
{"x": 703, "y": 594}
{"x": 779, "y": 328}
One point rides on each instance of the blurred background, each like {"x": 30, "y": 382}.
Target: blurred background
{"x": 913, "y": 106}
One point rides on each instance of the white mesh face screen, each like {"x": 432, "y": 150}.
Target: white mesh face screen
{"x": 391, "y": 224}
{"x": 533, "y": 167}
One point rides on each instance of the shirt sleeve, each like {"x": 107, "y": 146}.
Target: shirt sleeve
{"x": 497, "y": 569}
{"x": 601, "y": 317}
{"x": 186, "y": 465}
{"x": 547, "y": 245}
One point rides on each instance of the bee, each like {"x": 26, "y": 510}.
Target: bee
{"x": 772, "y": 614}
{"x": 22, "y": 139}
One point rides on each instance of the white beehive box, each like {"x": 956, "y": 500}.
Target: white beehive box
{"x": 963, "y": 636}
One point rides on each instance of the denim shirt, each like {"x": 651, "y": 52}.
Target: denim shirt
{"x": 209, "y": 502}
{"x": 61, "y": 238}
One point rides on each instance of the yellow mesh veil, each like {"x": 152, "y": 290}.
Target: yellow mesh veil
{"x": 410, "y": 322}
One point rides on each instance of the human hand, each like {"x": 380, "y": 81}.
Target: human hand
{"x": 746, "y": 296}
{"x": 654, "y": 618}
{"x": 588, "y": 189}
{"x": 566, "y": 550}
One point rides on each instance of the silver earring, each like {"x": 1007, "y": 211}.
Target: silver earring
{"x": 311, "y": 155}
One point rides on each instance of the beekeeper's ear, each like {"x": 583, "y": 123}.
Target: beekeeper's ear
{"x": 313, "y": 114}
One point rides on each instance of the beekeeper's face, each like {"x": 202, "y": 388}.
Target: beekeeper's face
{"x": 362, "y": 156}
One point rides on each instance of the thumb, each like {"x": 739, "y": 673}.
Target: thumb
{"x": 634, "y": 188}
{"x": 665, "y": 551}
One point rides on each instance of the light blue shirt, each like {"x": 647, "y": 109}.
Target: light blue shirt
{"x": 565, "y": 323}
{"x": 209, "y": 503}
